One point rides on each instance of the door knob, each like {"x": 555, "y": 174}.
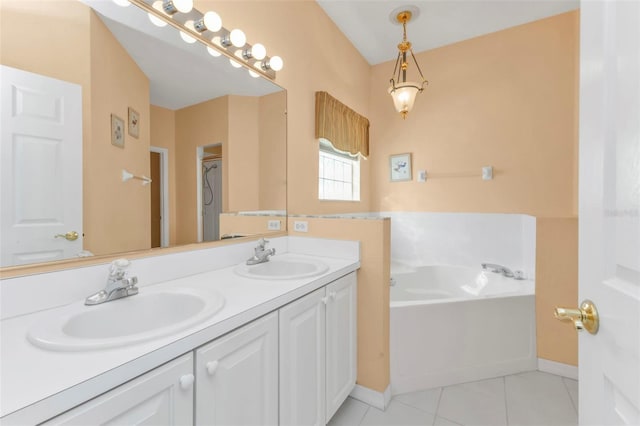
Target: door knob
{"x": 69, "y": 236}
{"x": 585, "y": 317}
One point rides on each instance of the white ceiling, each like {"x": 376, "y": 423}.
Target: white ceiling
{"x": 367, "y": 25}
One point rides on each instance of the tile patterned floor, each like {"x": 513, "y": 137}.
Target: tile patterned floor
{"x": 533, "y": 398}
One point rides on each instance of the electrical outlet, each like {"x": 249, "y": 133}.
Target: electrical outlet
{"x": 301, "y": 226}
{"x": 273, "y": 225}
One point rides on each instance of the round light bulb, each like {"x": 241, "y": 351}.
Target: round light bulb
{"x": 154, "y": 19}
{"x": 213, "y": 52}
{"x": 123, "y": 3}
{"x": 237, "y": 37}
{"x": 258, "y": 51}
{"x": 212, "y": 21}
{"x": 275, "y": 63}
{"x": 254, "y": 74}
{"x": 235, "y": 64}
{"x": 186, "y": 37}
{"x": 183, "y": 6}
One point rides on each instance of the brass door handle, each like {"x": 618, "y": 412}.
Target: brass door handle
{"x": 585, "y": 317}
{"x": 69, "y": 236}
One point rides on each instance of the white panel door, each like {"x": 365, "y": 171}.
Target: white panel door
{"x": 237, "y": 376}
{"x": 302, "y": 361}
{"x": 341, "y": 341}
{"x": 163, "y": 396}
{"x": 609, "y": 230}
{"x": 41, "y": 160}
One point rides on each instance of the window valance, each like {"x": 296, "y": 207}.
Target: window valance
{"x": 346, "y": 129}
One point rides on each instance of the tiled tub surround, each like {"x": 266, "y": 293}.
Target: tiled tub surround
{"x": 464, "y": 239}
{"x": 459, "y": 239}
{"x": 38, "y": 384}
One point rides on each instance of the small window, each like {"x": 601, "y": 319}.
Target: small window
{"x": 339, "y": 177}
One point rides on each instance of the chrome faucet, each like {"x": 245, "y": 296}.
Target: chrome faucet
{"x": 499, "y": 269}
{"x": 261, "y": 254}
{"x": 118, "y": 284}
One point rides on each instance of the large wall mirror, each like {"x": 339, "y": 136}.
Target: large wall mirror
{"x": 97, "y": 101}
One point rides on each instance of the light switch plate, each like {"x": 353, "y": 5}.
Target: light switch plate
{"x": 487, "y": 173}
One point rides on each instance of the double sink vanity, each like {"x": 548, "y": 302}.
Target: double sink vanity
{"x": 208, "y": 339}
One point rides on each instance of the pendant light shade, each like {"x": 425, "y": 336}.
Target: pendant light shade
{"x": 404, "y": 96}
{"x": 404, "y": 92}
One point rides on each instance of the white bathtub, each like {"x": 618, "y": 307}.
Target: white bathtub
{"x": 453, "y": 324}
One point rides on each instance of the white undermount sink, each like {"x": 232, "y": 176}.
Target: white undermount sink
{"x": 146, "y": 316}
{"x": 284, "y": 268}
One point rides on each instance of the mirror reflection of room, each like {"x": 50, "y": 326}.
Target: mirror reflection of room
{"x": 145, "y": 104}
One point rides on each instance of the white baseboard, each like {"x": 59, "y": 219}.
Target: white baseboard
{"x": 379, "y": 400}
{"x": 558, "y": 368}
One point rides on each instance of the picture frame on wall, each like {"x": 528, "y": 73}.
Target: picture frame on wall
{"x": 134, "y": 123}
{"x": 117, "y": 131}
{"x": 400, "y": 167}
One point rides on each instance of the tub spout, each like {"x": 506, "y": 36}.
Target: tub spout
{"x": 499, "y": 269}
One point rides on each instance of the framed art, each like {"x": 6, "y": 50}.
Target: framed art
{"x": 117, "y": 131}
{"x": 400, "y": 167}
{"x": 134, "y": 123}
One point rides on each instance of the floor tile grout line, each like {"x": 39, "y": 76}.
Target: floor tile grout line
{"x": 435, "y": 416}
{"x": 413, "y": 407}
{"x": 506, "y": 403}
{"x": 566, "y": 387}
{"x": 364, "y": 415}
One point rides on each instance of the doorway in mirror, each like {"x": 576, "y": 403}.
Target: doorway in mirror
{"x": 159, "y": 166}
{"x": 211, "y": 189}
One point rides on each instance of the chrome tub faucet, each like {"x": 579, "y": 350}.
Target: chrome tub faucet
{"x": 261, "y": 254}
{"x": 118, "y": 284}
{"x": 499, "y": 269}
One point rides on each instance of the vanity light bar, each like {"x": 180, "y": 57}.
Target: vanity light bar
{"x": 199, "y": 28}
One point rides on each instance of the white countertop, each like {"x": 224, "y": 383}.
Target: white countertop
{"x": 37, "y": 384}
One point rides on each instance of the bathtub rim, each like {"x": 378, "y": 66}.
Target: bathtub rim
{"x": 525, "y": 287}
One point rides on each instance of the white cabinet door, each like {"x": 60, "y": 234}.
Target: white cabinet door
{"x": 163, "y": 396}
{"x": 237, "y": 376}
{"x": 302, "y": 361}
{"x": 341, "y": 341}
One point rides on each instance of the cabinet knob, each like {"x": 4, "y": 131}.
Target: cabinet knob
{"x": 325, "y": 300}
{"x": 332, "y": 295}
{"x": 186, "y": 381}
{"x": 212, "y": 366}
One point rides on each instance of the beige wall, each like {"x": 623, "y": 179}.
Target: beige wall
{"x": 251, "y": 148}
{"x": 163, "y": 135}
{"x": 198, "y": 125}
{"x": 557, "y": 279}
{"x": 243, "y": 154}
{"x": 273, "y": 153}
{"x": 507, "y": 99}
{"x": 117, "y": 214}
{"x": 373, "y": 289}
